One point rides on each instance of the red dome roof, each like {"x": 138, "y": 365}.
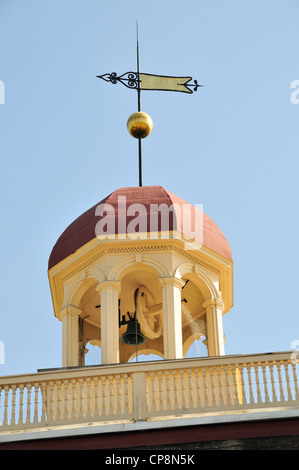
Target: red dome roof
{"x": 83, "y": 229}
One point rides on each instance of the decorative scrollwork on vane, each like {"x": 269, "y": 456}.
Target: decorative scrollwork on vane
{"x": 129, "y": 79}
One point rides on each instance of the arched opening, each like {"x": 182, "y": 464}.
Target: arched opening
{"x": 146, "y": 355}
{"x": 141, "y": 294}
{"x": 198, "y": 348}
{"x": 93, "y": 353}
{"x": 193, "y": 319}
{"x": 90, "y": 327}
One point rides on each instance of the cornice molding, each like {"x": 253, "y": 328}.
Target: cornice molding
{"x": 142, "y": 249}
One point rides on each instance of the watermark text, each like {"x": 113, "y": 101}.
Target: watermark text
{"x": 295, "y": 94}
{"x": 295, "y": 354}
{"x": 152, "y": 221}
{"x": 2, "y": 92}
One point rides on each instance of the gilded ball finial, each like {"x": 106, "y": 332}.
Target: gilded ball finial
{"x": 140, "y": 125}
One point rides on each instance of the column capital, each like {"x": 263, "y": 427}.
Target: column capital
{"x": 172, "y": 281}
{"x": 213, "y": 302}
{"x": 69, "y": 310}
{"x": 109, "y": 284}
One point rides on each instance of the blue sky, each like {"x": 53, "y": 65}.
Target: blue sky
{"x": 232, "y": 146}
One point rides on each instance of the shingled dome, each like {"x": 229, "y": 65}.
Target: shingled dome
{"x": 83, "y": 229}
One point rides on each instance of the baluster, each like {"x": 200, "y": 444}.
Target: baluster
{"x": 126, "y": 393}
{"x": 13, "y": 406}
{"x": 66, "y": 400}
{"x": 174, "y": 390}
{"x": 5, "y": 415}
{"x": 183, "y": 390}
{"x": 159, "y": 390}
{"x": 191, "y": 388}
{"x": 58, "y": 412}
{"x": 267, "y": 400}
{"x": 81, "y": 399}
{"x": 295, "y": 380}
{"x": 104, "y": 406}
{"x": 93, "y": 397}
{"x": 118, "y": 395}
{"x": 272, "y": 380}
{"x": 177, "y": 394}
{"x": 111, "y": 395}
{"x": 43, "y": 393}
{"x": 257, "y": 381}
{"x": 220, "y": 386}
{"x": 213, "y": 390}
{"x": 242, "y": 377}
{"x": 96, "y": 397}
{"x": 130, "y": 393}
{"x": 198, "y": 388}
{"x": 164, "y": 396}
{"x": 171, "y": 383}
{"x": 251, "y": 398}
{"x": 74, "y": 408}
{"x": 228, "y": 394}
{"x": 154, "y": 388}
{"x": 164, "y": 390}
{"x": 28, "y": 417}
{"x": 187, "y": 388}
{"x": 205, "y": 385}
{"x": 36, "y": 390}
{"x": 237, "y": 393}
{"x": 51, "y": 401}
{"x": 150, "y": 402}
{"x": 88, "y": 405}
{"x": 168, "y": 400}
{"x": 280, "y": 382}
{"x": 289, "y": 391}
{"x": 21, "y": 403}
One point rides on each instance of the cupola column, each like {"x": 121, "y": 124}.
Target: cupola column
{"x": 172, "y": 317}
{"x": 109, "y": 292}
{"x": 215, "y": 337}
{"x": 69, "y": 316}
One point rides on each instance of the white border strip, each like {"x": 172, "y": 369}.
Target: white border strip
{"x": 127, "y": 426}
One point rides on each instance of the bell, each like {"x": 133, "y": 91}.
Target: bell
{"x": 133, "y": 334}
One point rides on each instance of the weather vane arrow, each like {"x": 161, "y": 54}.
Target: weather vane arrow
{"x": 140, "y": 124}
{"x": 148, "y": 81}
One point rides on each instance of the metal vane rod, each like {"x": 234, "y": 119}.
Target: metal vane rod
{"x": 138, "y": 71}
{"x": 139, "y": 109}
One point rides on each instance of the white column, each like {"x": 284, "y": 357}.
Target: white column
{"x": 214, "y": 309}
{"x": 69, "y": 316}
{"x": 109, "y": 291}
{"x": 172, "y": 317}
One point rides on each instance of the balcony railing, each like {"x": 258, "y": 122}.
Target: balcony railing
{"x": 148, "y": 390}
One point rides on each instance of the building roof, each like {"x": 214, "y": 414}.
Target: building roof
{"x": 83, "y": 229}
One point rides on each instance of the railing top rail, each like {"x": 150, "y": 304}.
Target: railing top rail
{"x": 47, "y": 375}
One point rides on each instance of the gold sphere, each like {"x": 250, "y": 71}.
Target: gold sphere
{"x": 140, "y": 125}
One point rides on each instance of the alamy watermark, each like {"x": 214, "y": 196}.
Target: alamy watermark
{"x": 2, "y": 353}
{"x": 295, "y": 354}
{"x": 152, "y": 221}
{"x": 2, "y": 92}
{"x": 295, "y": 94}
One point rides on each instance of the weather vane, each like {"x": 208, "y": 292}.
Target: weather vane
{"x": 140, "y": 124}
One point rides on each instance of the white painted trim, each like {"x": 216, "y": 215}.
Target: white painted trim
{"x": 128, "y": 426}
